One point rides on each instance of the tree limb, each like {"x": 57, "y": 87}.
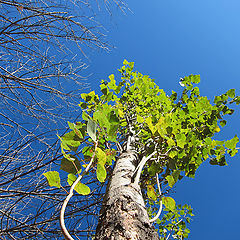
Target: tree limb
{"x": 140, "y": 166}
{"x": 160, "y": 204}
{"x": 62, "y": 223}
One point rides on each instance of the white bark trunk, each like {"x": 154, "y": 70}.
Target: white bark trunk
{"x": 123, "y": 214}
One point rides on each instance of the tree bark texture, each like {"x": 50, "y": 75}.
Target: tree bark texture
{"x": 123, "y": 215}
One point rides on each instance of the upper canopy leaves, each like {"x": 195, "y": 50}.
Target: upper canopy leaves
{"x": 179, "y": 129}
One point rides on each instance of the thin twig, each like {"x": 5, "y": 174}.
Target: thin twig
{"x": 173, "y": 227}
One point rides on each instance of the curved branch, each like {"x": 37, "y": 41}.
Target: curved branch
{"x": 62, "y": 222}
{"x": 140, "y": 167}
{"x": 160, "y": 204}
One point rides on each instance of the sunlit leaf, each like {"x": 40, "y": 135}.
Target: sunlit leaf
{"x": 85, "y": 116}
{"x": 231, "y": 93}
{"x": 80, "y": 187}
{"x": 112, "y": 83}
{"x": 169, "y": 203}
{"x": 101, "y": 155}
{"x": 181, "y": 140}
{"x": 217, "y": 129}
{"x": 91, "y": 129}
{"x": 231, "y": 144}
{"x": 71, "y": 125}
{"x": 101, "y": 173}
{"x": 170, "y": 180}
{"x": 53, "y": 178}
{"x": 151, "y": 192}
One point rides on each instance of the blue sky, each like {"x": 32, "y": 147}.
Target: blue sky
{"x": 171, "y": 39}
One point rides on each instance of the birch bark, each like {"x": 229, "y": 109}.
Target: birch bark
{"x": 123, "y": 214}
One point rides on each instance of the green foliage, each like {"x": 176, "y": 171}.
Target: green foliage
{"x": 174, "y": 222}
{"x": 172, "y": 179}
{"x": 178, "y": 129}
{"x": 53, "y": 179}
{"x": 91, "y": 129}
{"x": 151, "y": 192}
{"x": 80, "y": 187}
{"x": 70, "y": 166}
{"x": 169, "y": 203}
{"x": 101, "y": 171}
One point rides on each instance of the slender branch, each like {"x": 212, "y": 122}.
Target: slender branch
{"x": 62, "y": 223}
{"x": 160, "y": 204}
{"x": 140, "y": 167}
{"x": 172, "y": 228}
{"x": 119, "y": 147}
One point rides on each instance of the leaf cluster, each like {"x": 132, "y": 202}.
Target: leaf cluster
{"x": 174, "y": 222}
{"x": 177, "y": 130}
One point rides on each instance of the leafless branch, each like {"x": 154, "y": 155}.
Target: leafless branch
{"x": 39, "y": 69}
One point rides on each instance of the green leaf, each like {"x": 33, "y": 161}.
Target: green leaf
{"x": 70, "y": 166}
{"x": 231, "y": 93}
{"x": 71, "y": 179}
{"x": 151, "y": 192}
{"x": 71, "y": 125}
{"x": 80, "y": 133}
{"x": 85, "y": 116}
{"x": 88, "y": 96}
{"x": 80, "y": 187}
{"x": 236, "y": 100}
{"x": 195, "y": 78}
{"x": 217, "y": 129}
{"x": 154, "y": 168}
{"x": 171, "y": 180}
{"x": 113, "y": 119}
{"x": 171, "y": 142}
{"x": 176, "y": 174}
{"x": 70, "y": 139}
{"x": 140, "y": 119}
{"x": 169, "y": 203}
{"x": 112, "y": 83}
{"x": 101, "y": 155}
{"x": 53, "y": 178}
{"x": 161, "y": 127}
{"x": 150, "y": 125}
{"x": 181, "y": 140}
{"x": 223, "y": 123}
{"x": 83, "y": 105}
{"x": 101, "y": 117}
{"x": 233, "y": 152}
{"x": 101, "y": 173}
{"x": 172, "y": 154}
{"x": 91, "y": 129}
{"x": 65, "y": 146}
{"x": 195, "y": 91}
{"x": 231, "y": 144}
{"x": 112, "y": 133}
{"x": 120, "y": 113}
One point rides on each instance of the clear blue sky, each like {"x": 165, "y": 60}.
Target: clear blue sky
{"x": 171, "y": 39}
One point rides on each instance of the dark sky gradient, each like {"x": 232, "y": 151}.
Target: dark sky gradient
{"x": 171, "y": 39}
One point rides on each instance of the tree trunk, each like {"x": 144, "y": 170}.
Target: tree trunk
{"x": 123, "y": 214}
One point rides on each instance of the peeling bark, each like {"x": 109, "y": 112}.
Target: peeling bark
{"x": 123, "y": 214}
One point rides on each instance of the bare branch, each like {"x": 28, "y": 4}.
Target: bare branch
{"x": 41, "y": 78}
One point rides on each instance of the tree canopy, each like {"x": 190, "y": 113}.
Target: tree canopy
{"x": 171, "y": 134}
